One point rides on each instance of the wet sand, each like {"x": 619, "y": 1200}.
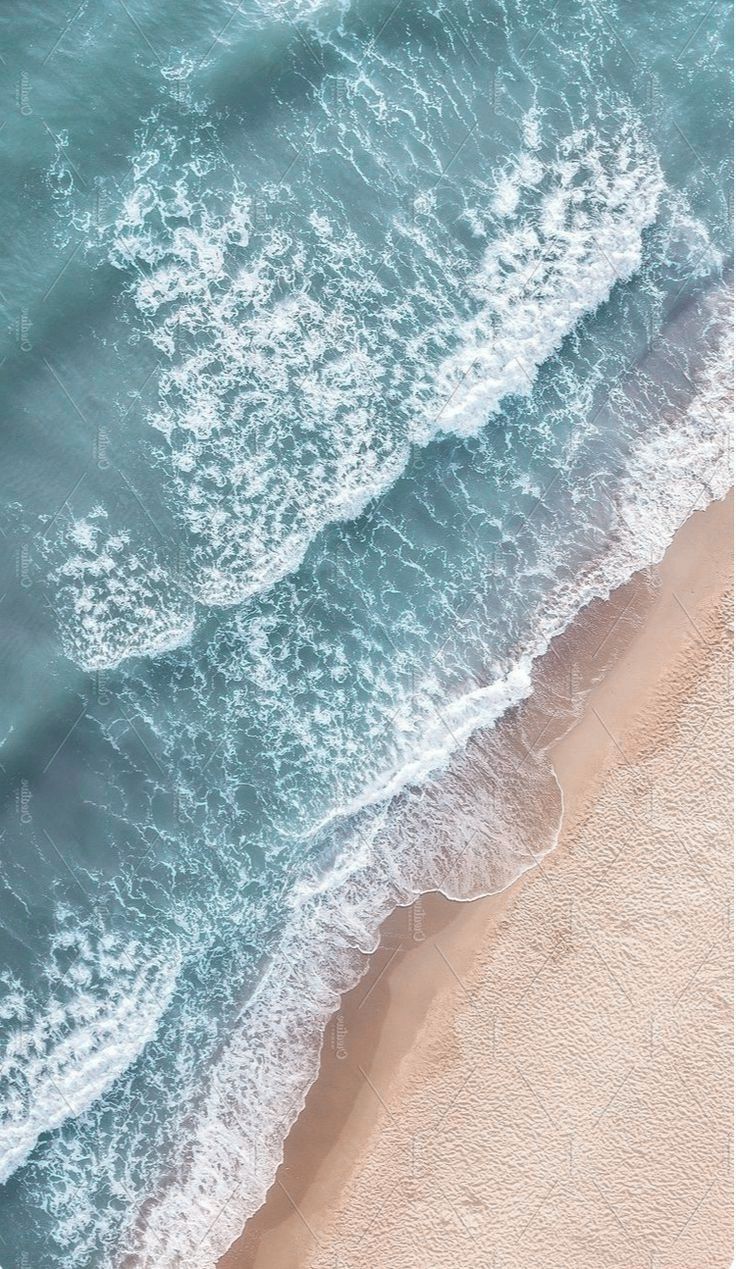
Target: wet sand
{"x": 542, "y": 1078}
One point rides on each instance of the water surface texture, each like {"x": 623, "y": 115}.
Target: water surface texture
{"x": 349, "y": 349}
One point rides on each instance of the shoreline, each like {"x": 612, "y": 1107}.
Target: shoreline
{"x": 429, "y": 951}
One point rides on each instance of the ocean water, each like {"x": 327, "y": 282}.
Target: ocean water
{"x": 350, "y": 349}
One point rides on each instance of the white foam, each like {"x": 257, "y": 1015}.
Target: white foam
{"x": 258, "y": 355}
{"x": 117, "y": 602}
{"x": 549, "y": 268}
{"x": 443, "y": 736}
{"x": 101, "y": 1011}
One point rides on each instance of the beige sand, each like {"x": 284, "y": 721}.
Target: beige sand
{"x": 543, "y": 1078}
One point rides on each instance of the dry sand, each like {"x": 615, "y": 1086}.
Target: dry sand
{"x": 543, "y": 1078}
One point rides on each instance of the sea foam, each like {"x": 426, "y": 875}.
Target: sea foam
{"x": 265, "y": 339}
{"x": 103, "y": 1004}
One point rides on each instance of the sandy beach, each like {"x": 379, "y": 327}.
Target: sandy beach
{"x": 542, "y": 1078}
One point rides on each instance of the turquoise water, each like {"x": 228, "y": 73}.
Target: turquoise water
{"x": 350, "y": 348}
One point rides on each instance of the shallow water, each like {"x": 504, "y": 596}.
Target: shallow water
{"x": 351, "y": 348}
